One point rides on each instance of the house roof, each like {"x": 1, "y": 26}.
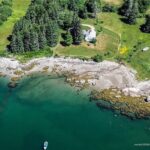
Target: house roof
{"x": 90, "y": 35}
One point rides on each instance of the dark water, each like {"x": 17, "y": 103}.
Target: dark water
{"x": 42, "y": 108}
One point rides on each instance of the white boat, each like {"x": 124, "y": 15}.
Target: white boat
{"x": 45, "y": 145}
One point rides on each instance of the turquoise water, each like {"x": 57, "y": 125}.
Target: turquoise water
{"x": 44, "y": 108}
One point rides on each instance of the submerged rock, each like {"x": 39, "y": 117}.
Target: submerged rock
{"x": 12, "y": 84}
{"x": 132, "y": 107}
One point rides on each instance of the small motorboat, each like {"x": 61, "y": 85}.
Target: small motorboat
{"x": 45, "y": 145}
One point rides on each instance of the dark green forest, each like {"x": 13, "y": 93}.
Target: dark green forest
{"x": 45, "y": 20}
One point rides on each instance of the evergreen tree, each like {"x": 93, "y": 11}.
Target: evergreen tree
{"x": 42, "y": 40}
{"x": 73, "y": 5}
{"x": 143, "y": 5}
{"x": 26, "y": 40}
{"x": 52, "y": 34}
{"x": 31, "y": 14}
{"x": 83, "y": 12}
{"x": 68, "y": 39}
{"x": 67, "y": 21}
{"x": 13, "y": 43}
{"x": 76, "y": 30}
{"x": 40, "y": 14}
{"x": 146, "y": 27}
{"x": 19, "y": 40}
{"x": 92, "y": 7}
{"x": 133, "y": 13}
{"x": 126, "y": 8}
{"x": 34, "y": 43}
{"x": 53, "y": 12}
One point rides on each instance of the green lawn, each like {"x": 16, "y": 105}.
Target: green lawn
{"x": 113, "y": 2}
{"x": 77, "y": 51}
{"x": 19, "y": 9}
{"x": 115, "y": 35}
{"x": 133, "y": 39}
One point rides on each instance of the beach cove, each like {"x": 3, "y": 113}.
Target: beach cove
{"x": 35, "y": 111}
{"x": 97, "y": 77}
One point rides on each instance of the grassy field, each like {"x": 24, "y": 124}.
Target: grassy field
{"x": 113, "y": 2}
{"x": 116, "y": 40}
{"x": 76, "y": 51}
{"x": 133, "y": 40}
{"x": 107, "y": 43}
{"x": 19, "y": 9}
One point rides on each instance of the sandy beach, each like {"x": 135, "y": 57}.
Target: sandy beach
{"x": 98, "y": 76}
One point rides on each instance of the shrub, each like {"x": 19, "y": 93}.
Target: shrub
{"x": 97, "y": 58}
{"x": 109, "y": 8}
{"x": 93, "y": 41}
{"x": 5, "y": 10}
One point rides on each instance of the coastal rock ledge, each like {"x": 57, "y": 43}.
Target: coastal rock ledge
{"x": 98, "y": 76}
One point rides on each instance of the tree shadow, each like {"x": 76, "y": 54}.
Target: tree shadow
{"x": 9, "y": 38}
{"x": 124, "y": 20}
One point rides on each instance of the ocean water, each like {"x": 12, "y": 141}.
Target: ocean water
{"x": 46, "y": 108}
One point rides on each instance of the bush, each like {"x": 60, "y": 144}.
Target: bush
{"x": 97, "y": 58}
{"x": 7, "y": 2}
{"x": 93, "y": 41}
{"x": 68, "y": 39}
{"x": 109, "y": 8}
{"x": 5, "y": 10}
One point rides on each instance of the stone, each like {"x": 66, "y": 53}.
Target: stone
{"x": 12, "y": 84}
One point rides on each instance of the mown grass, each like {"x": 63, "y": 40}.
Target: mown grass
{"x": 113, "y": 2}
{"x": 133, "y": 39}
{"x": 23, "y": 57}
{"x": 107, "y": 43}
{"x": 76, "y": 51}
{"x": 19, "y": 8}
{"x": 115, "y": 35}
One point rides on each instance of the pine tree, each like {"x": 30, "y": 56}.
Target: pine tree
{"x": 53, "y": 12}
{"x": 83, "y": 12}
{"x": 143, "y": 5}
{"x": 52, "y": 34}
{"x": 92, "y": 7}
{"x": 126, "y": 8}
{"x": 72, "y": 5}
{"x": 42, "y": 40}
{"x": 31, "y": 14}
{"x": 20, "y": 46}
{"x": 40, "y": 14}
{"x": 133, "y": 13}
{"x": 26, "y": 40}
{"x": 76, "y": 30}
{"x": 146, "y": 27}
{"x": 34, "y": 43}
{"x": 67, "y": 21}
{"x": 68, "y": 39}
{"x": 13, "y": 43}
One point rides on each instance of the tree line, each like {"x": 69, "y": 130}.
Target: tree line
{"x": 5, "y": 10}
{"x": 133, "y": 9}
{"x": 44, "y": 21}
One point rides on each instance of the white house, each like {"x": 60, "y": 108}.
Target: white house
{"x": 145, "y": 49}
{"x": 89, "y": 34}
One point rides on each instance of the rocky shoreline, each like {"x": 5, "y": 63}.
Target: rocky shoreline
{"x": 97, "y": 76}
{"x": 116, "y": 100}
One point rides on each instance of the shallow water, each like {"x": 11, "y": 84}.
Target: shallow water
{"x": 45, "y": 108}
